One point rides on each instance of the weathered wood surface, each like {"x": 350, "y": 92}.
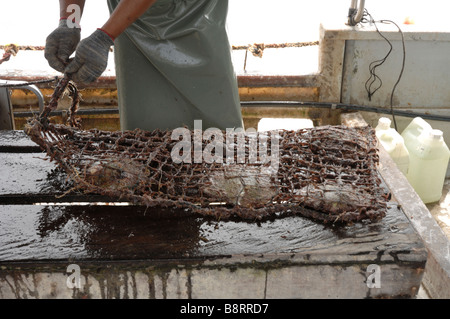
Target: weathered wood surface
{"x": 292, "y": 257}
{"x": 16, "y": 142}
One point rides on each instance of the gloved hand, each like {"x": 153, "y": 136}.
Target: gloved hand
{"x": 60, "y": 44}
{"x": 91, "y": 58}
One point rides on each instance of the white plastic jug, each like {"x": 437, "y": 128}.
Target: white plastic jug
{"x": 383, "y": 124}
{"x": 393, "y": 143}
{"x": 413, "y": 130}
{"x": 428, "y": 160}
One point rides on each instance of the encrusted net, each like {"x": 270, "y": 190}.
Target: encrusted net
{"x": 325, "y": 173}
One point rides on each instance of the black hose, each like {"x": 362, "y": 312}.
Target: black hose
{"x": 327, "y": 105}
{"x": 343, "y": 106}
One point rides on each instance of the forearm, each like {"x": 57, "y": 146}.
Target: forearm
{"x": 126, "y": 12}
{"x": 63, "y": 4}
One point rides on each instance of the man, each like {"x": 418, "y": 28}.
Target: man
{"x": 173, "y": 61}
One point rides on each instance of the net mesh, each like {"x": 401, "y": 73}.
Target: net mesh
{"x": 325, "y": 173}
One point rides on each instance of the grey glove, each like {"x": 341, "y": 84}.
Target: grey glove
{"x": 60, "y": 44}
{"x": 91, "y": 58}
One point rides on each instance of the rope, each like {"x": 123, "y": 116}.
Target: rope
{"x": 10, "y": 50}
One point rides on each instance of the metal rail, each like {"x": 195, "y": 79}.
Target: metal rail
{"x": 291, "y": 104}
{"x": 6, "y": 110}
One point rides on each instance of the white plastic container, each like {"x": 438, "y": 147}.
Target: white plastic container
{"x": 393, "y": 143}
{"x": 383, "y": 124}
{"x": 428, "y": 161}
{"x": 412, "y": 132}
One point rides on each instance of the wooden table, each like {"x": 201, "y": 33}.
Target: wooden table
{"x": 134, "y": 252}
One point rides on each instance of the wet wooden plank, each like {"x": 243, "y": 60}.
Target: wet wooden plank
{"x": 29, "y": 173}
{"x": 31, "y": 232}
{"x": 127, "y": 252}
{"x": 170, "y": 249}
{"x": 27, "y": 176}
{"x": 17, "y": 142}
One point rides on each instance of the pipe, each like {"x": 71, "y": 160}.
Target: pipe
{"x": 8, "y": 84}
{"x": 37, "y": 92}
{"x": 348, "y": 107}
{"x": 6, "y": 106}
{"x": 355, "y": 12}
{"x": 326, "y": 105}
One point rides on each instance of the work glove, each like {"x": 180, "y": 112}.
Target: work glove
{"x": 91, "y": 58}
{"x": 60, "y": 44}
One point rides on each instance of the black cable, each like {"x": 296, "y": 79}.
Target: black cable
{"x": 372, "y": 67}
{"x": 401, "y": 71}
{"x": 375, "y": 64}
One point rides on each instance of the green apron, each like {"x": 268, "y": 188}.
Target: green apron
{"x": 173, "y": 66}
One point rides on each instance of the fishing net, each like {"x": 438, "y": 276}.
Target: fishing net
{"x": 325, "y": 173}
